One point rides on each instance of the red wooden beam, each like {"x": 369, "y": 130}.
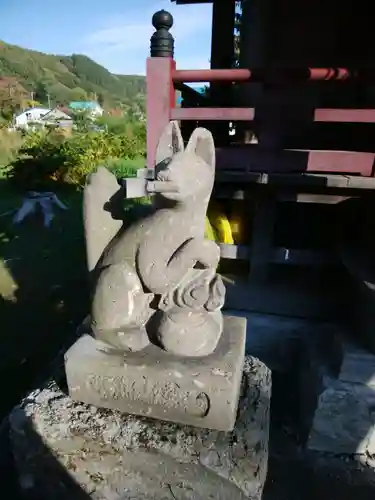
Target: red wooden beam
{"x": 213, "y": 114}
{"x": 340, "y": 161}
{"x": 330, "y": 74}
{"x": 188, "y": 2}
{"x": 244, "y": 75}
{"x": 345, "y": 115}
{"x": 211, "y": 75}
{"x": 247, "y": 114}
{"x": 256, "y": 159}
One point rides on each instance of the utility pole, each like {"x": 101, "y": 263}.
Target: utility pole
{"x": 49, "y": 101}
{"x": 32, "y": 96}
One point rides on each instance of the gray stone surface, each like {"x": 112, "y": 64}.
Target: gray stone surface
{"x": 67, "y": 450}
{"x": 202, "y": 392}
{"x": 358, "y": 366}
{"x": 157, "y": 278}
{"x": 344, "y": 421}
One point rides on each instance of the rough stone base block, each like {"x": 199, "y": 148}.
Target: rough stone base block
{"x": 67, "y": 450}
{"x": 344, "y": 422}
{"x": 202, "y": 392}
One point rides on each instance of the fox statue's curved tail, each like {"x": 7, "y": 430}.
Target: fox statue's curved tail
{"x": 99, "y": 200}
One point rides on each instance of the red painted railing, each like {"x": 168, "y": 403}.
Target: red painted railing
{"x": 162, "y": 75}
{"x": 245, "y": 75}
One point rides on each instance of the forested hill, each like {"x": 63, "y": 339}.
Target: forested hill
{"x": 64, "y": 79}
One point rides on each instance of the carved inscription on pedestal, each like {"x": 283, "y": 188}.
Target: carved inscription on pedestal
{"x": 168, "y": 395}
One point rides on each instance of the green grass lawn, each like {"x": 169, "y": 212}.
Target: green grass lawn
{"x": 43, "y": 287}
{"x": 126, "y": 168}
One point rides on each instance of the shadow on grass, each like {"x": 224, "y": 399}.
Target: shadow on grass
{"x": 43, "y": 286}
{"x": 43, "y": 289}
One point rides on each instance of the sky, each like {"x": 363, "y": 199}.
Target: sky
{"x": 115, "y": 33}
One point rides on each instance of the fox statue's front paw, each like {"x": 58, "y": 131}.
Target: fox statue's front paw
{"x": 121, "y": 309}
{"x": 210, "y": 254}
{"x": 123, "y": 341}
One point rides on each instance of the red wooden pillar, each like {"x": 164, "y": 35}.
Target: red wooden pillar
{"x": 160, "y": 89}
{"x": 160, "y": 100}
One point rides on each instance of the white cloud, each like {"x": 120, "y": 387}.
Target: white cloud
{"x": 122, "y": 43}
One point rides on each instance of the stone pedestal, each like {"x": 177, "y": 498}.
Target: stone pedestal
{"x": 69, "y": 450}
{"x": 201, "y": 391}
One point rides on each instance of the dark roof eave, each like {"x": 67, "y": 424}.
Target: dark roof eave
{"x": 186, "y": 2}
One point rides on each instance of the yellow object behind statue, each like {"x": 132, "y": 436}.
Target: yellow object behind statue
{"x": 236, "y": 224}
{"x": 220, "y": 223}
{"x": 209, "y": 232}
{"x": 239, "y": 220}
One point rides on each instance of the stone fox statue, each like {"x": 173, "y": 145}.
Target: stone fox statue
{"x": 157, "y": 277}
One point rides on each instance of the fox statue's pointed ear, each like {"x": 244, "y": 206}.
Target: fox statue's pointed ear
{"x": 202, "y": 144}
{"x": 170, "y": 142}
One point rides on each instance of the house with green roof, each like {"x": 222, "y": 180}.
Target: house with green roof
{"x": 91, "y": 107}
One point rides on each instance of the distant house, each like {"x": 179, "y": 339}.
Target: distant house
{"x": 40, "y": 117}
{"x": 115, "y": 112}
{"x": 57, "y": 117}
{"x": 65, "y": 110}
{"x": 30, "y": 117}
{"x": 91, "y": 107}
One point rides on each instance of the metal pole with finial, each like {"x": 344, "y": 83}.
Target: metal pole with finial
{"x": 162, "y": 42}
{"x": 160, "y": 88}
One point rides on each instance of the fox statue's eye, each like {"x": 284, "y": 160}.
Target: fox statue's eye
{"x": 163, "y": 175}
{"x": 162, "y": 166}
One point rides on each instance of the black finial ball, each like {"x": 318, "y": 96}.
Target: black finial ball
{"x": 162, "y": 42}
{"x": 162, "y": 20}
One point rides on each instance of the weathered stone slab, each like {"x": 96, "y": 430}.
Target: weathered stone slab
{"x": 358, "y": 366}
{"x": 67, "y": 450}
{"x": 344, "y": 421}
{"x": 202, "y": 392}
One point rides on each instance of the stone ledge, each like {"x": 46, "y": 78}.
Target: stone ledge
{"x": 102, "y": 454}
